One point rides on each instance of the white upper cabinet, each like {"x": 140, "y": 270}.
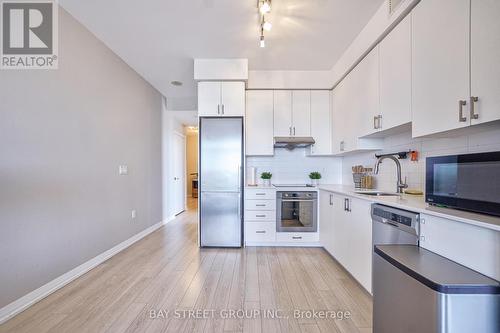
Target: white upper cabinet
{"x": 259, "y": 122}
{"x": 440, "y": 66}
{"x": 485, "y": 60}
{"x": 209, "y": 96}
{"x": 321, "y": 122}
{"x": 220, "y": 99}
{"x": 282, "y": 113}
{"x": 233, "y": 98}
{"x": 395, "y": 77}
{"x": 301, "y": 113}
{"x": 366, "y": 87}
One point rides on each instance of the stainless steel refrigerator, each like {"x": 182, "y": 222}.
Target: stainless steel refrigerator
{"x": 220, "y": 181}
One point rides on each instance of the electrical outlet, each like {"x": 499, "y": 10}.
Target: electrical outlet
{"x": 123, "y": 170}
{"x": 133, "y": 214}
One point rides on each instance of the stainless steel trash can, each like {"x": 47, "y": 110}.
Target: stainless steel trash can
{"x": 415, "y": 290}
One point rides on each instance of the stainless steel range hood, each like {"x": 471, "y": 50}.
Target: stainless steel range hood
{"x": 292, "y": 142}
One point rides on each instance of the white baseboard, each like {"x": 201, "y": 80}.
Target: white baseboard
{"x": 284, "y": 244}
{"x": 21, "y": 304}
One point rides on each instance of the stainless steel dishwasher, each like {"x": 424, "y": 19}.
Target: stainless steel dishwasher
{"x": 394, "y": 226}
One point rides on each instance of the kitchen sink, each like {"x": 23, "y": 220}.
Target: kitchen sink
{"x": 378, "y": 193}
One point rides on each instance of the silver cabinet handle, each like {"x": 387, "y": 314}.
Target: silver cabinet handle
{"x": 296, "y": 237}
{"x": 222, "y": 108}
{"x": 260, "y": 194}
{"x": 218, "y": 108}
{"x": 260, "y": 205}
{"x": 260, "y": 232}
{"x": 375, "y": 122}
{"x": 379, "y": 121}
{"x": 345, "y": 204}
{"x": 341, "y": 145}
{"x": 290, "y": 130}
{"x": 461, "y": 105}
{"x": 473, "y": 101}
{"x": 331, "y": 199}
{"x": 261, "y": 215}
{"x": 293, "y": 130}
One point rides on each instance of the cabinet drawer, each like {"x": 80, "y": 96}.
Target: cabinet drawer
{"x": 297, "y": 237}
{"x": 260, "y": 215}
{"x": 260, "y": 232}
{"x": 258, "y": 194}
{"x": 260, "y": 204}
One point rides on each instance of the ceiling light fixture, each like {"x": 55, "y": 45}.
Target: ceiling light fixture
{"x": 176, "y": 83}
{"x": 267, "y": 26}
{"x": 264, "y": 7}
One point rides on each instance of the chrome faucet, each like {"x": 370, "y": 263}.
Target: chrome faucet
{"x": 400, "y": 185}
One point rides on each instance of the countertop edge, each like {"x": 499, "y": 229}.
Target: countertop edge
{"x": 343, "y": 190}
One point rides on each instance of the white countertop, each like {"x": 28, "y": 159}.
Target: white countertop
{"x": 416, "y": 203}
{"x": 285, "y": 188}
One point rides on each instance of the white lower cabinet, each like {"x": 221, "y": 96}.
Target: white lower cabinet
{"x": 472, "y": 246}
{"x": 260, "y": 232}
{"x": 346, "y": 233}
{"x": 297, "y": 237}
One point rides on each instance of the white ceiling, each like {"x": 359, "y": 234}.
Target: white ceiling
{"x": 160, "y": 38}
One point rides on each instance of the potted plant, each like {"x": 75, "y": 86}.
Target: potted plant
{"x": 266, "y": 177}
{"x": 315, "y": 177}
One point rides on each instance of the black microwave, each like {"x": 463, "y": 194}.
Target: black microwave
{"x": 468, "y": 182}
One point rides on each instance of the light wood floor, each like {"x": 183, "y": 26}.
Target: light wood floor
{"x": 167, "y": 271}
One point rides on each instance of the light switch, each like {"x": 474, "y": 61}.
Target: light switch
{"x": 123, "y": 170}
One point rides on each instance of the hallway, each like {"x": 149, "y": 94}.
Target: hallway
{"x": 166, "y": 271}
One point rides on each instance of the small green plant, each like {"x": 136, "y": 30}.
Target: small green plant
{"x": 266, "y": 175}
{"x": 315, "y": 175}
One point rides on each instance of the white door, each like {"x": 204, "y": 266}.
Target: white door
{"x": 282, "y": 113}
{"x": 485, "y": 56}
{"x": 209, "y": 99}
{"x": 321, "y": 122}
{"x": 233, "y": 99}
{"x": 395, "y": 76}
{"x": 301, "y": 113}
{"x": 179, "y": 170}
{"x": 259, "y": 122}
{"x": 440, "y": 65}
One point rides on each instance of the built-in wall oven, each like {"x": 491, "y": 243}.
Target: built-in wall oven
{"x": 468, "y": 182}
{"x": 296, "y": 211}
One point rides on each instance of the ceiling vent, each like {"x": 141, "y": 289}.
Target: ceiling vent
{"x": 393, "y": 5}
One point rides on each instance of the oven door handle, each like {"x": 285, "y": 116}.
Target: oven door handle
{"x": 297, "y": 200}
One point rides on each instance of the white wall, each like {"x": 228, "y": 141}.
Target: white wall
{"x": 63, "y": 134}
{"x": 294, "y": 167}
{"x": 487, "y": 140}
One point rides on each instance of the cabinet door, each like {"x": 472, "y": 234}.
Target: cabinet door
{"x": 233, "y": 99}
{"x": 321, "y": 121}
{"x": 301, "y": 113}
{"x": 485, "y": 55}
{"x": 440, "y": 65}
{"x": 395, "y": 76}
{"x": 282, "y": 113}
{"x": 359, "y": 226}
{"x": 337, "y": 122}
{"x": 366, "y": 94}
{"x": 340, "y": 243}
{"x": 209, "y": 98}
{"x": 259, "y": 122}
{"x": 326, "y": 220}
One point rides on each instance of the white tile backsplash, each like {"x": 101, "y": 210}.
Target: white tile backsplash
{"x": 488, "y": 140}
{"x": 293, "y": 167}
